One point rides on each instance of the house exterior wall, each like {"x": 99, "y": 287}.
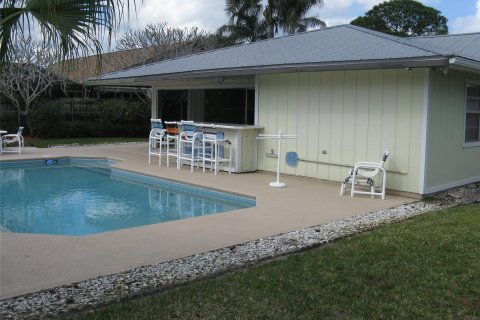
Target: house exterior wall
{"x": 342, "y": 117}
{"x": 449, "y": 163}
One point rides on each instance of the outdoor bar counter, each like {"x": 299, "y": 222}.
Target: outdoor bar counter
{"x": 244, "y": 144}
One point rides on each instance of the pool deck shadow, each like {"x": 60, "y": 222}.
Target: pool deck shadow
{"x": 31, "y": 262}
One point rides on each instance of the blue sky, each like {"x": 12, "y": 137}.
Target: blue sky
{"x": 463, "y": 15}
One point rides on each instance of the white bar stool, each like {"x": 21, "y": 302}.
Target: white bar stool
{"x": 156, "y": 141}
{"x": 213, "y": 148}
{"x": 189, "y": 144}
{"x": 171, "y": 138}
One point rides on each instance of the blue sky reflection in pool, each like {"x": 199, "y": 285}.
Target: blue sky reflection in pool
{"x": 80, "y": 197}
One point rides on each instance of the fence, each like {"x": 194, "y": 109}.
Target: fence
{"x": 75, "y": 109}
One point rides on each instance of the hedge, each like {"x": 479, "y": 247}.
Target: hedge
{"x": 112, "y": 118}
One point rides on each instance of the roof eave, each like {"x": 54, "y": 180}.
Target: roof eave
{"x": 438, "y": 61}
{"x": 462, "y": 64}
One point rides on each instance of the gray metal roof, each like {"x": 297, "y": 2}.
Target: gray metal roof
{"x": 461, "y": 45}
{"x": 340, "y": 47}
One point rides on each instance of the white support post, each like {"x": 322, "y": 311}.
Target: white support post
{"x": 154, "y": 106}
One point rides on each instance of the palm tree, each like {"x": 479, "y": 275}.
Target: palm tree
{"x": 244, "y": 23}
{"x": 291, "y": 15}
{"x": 270, "y": 14}
{"x": 72, "y": 26}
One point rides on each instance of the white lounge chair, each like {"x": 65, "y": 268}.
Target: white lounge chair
{"x": 13, "y": 138}
{"x": 156, "y": 141}
{"x": 363, "y": 174}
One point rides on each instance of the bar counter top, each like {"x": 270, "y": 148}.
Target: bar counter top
{"x": 230, "y": 125}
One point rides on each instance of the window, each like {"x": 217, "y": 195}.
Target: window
{"x": 472, "y": 114}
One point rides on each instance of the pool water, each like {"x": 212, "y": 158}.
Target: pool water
{"x": 85, "y": 196}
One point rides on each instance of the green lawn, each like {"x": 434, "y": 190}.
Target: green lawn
{"x": 423, "y": 268}
{"x": 45, "y": 143}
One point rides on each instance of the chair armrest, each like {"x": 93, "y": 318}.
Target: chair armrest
{"x": 155, "y": 133}
{"x": 365, "y": 166}
{"x": 367, "y": 170}
{"x": 376, "y": 164}
{"x": 10, "y": 136}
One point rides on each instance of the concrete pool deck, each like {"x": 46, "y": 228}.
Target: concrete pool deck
{"x": 30, "y": 262}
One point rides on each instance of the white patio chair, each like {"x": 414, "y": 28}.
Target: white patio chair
{"x": 157, "y": 144}
{"x": 363, "y": 174}
{"x": 13, "y": 138}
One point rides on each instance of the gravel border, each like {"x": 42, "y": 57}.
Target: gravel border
{"x": 88, "y": 294}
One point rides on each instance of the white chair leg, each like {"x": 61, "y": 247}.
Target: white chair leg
{"x": 160, "y": 154}
{"x": 230, "y": 161}
{"x": 352, "y": 191}
{"x": 216, "y": 158}
{"x": 384, "y": 185}
{"x": 203, "y": 156}
{"x": 179, "y": 153}
{"x": 192, "y": 164}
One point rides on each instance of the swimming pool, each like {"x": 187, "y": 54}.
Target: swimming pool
{"x": 85, "y": 196}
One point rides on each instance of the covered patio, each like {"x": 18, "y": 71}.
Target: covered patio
{"x": 30, "y": 262}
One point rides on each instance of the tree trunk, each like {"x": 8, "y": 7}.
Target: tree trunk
{"x": 270, "y": 31}
{"x": 268, "y": 15}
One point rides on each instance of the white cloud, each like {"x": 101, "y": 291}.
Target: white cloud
{"x": 205, "y": 14}
{"x": 341, "y": 5}
{"x": 342, "y": 11}
{"x": 468, "y": 23}
{"x": 335, "y": 21}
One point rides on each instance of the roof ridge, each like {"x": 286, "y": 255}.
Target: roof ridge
{"x": 447, "y": 35}
{"x": 404, "y": 41}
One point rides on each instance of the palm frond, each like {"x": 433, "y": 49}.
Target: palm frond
{"x": 75, "y": 27}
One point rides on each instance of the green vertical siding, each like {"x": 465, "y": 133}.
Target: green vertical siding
{"x": 352, "y": 115}
{"x": 449, "y": 163}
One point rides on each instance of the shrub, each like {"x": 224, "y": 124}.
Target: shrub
{"x": 113, "y": 118}
{"x": 46, "y": 119}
